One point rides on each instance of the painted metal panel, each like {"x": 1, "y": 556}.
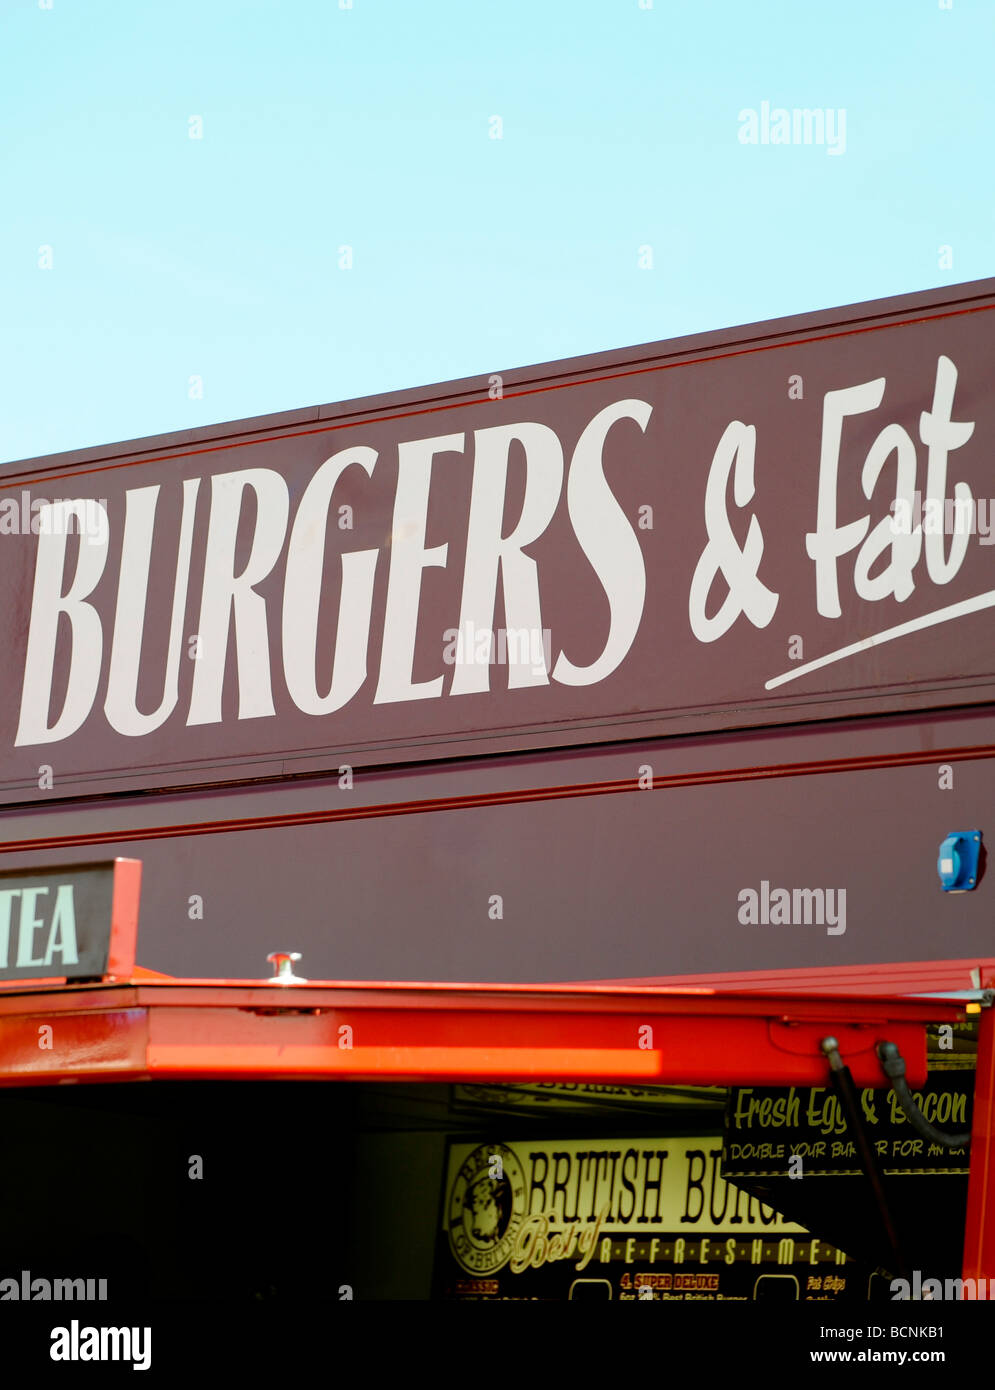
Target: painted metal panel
{"x": 578, "y": 867}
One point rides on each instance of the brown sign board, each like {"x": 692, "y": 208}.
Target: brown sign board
{"x": 73, "y": 922}
{"x": 775, "y": 523}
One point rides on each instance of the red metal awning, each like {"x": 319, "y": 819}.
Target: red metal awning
{"x": 201, "y": 1029}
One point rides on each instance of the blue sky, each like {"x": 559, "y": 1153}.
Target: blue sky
{"x": 371, "y": 128}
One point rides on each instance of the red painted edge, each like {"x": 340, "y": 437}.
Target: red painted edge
{"x": 181, "y": 1032}
{"x": 979, "y": 1232}
{"x": 124, "y": 918}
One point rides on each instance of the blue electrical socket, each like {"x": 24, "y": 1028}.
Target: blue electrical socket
{"x": 957, "y": 864}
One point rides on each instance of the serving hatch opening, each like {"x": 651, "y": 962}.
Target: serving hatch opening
{"x": 704, "y": 1157}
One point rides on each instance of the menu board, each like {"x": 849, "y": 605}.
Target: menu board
{"x": 621, "y": 1219}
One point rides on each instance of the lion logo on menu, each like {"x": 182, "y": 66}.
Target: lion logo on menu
{"x": 487, "y": 1206}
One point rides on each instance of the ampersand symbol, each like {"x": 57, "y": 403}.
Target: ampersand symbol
{"x": 722, "y": 555}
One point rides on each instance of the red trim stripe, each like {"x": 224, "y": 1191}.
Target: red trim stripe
{"x": 506, "y": 798}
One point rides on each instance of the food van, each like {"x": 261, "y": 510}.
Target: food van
{"x": 547, "y": 811}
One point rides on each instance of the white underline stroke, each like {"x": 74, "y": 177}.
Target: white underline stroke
{"x": 942, "y": 615}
